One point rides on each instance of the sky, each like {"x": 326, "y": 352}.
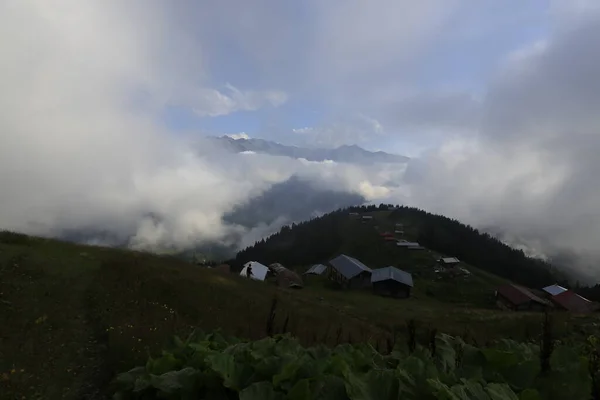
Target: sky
{"x": 496, "y": 102}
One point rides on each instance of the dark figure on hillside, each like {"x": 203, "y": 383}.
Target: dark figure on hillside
{"x": 249, "y": 272}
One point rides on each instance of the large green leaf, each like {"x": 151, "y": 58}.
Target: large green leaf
{"x": 287, "y": 346}
{"x": 216, "y": 368}
{"x": 441, "y": 391}
{"x": 293, "y": 371}
{"x": 263, "y": 348}
{"x": 328, "y": 387}
{"x": 473, "y": 363}
{"x": 300, "y": 391}
{"x": 260, "y": 391}
{"x": 569, "y": 376}
{"x": 319, "y": 352}
{"x": 529, "y": 394}
{"x": 142, "y": 383}
{"x": 474, "y": 390}
{"x": 268, "y": 367}
{"x": 500, "y": 358}
{"x": 126, "y": 381}
{"x": 374, "y": 385}
{"x": 523, "y": 375}
{"x": 167, "y": 362}
{"x": 287, "y": 373}
{"x": 445, "y": 352}
{"x": 415, "y": 372}
{"x": 235, "y": 375}
{"x": 499, "y": 391}
{"x": 336, "y": 365}
{"x": 177, "y": 382}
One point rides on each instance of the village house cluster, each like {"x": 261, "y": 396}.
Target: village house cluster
{"x": 519, "y": 298}
{"x": 347, "y": 271}
{"x": 350, "y": 273}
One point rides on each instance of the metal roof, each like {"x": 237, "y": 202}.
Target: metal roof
{"x": 391, "y": 273}
{"x": 316, "y": 269}
{"x": 554, "y": 289}
{"x": 519, "y": 295}
{"x": 449, "y": 260}
{"x": 407, "y": 244}
{"x": 259, "y": 271}
{"x": 347, "y": 266}
{"x": 573, "y": 302}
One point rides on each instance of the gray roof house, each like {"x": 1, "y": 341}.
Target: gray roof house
{"x": 350, "y": 272}
{"x": 404, "y": 243}
{"x": 391, "y": 281}
{"x": 449, "y": 261}
{"x": 317, "y": 269}
{"x": 554, "y": 290}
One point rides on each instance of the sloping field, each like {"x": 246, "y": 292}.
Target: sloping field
{"x": 72, "y": 316}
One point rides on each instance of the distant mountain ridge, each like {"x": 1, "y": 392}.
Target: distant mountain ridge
{"x": 294, "y": 200}
{"x": 347, "y": 154}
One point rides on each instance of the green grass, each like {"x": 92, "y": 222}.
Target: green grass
{"x": 72, "y": 316}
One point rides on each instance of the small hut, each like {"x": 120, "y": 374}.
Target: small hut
{"x": 572, "y": 302}
{"x": 391, "y": 281}
{"x": 349, "y": 272}
{"x": 406, "y": 244}
{"x": 317, "y": 269}
{"x": 518, "y": 298}
{"x": 448, "y": 262}
{"x": 286, "y": 278}
{"x": 255, "y": 270}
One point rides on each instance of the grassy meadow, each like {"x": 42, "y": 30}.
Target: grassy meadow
{"x": 72, "y": 316}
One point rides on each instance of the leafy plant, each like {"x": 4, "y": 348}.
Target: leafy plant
{"x": 279, "y": 368}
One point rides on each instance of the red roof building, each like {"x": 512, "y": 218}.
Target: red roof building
{"x": 518, "y": 298}
{"x": 571, "y": 301}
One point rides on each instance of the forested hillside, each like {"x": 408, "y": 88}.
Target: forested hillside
{"x": 320, "y": 239}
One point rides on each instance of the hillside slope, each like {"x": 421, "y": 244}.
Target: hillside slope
{"x": 321, "y": 239}
{"x": 73, "y": 316}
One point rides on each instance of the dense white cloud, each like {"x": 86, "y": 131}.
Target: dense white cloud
{"x": 212, "y": 103}
{"x": 84, "y": 85}
{"x": 241, "y": 135}
{"x": 80, "y": 148}
{"x": 350, "y": 130}
{"x": 531, "y": 168}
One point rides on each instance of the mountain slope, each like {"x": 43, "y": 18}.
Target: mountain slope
{"x": 294, "y": 200}
{"x": 73, "y": 316}
{"x": 347, "y": 154}
{"x": 320, "y": 239}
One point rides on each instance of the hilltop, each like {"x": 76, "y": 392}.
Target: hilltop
{"x": 320, "y": 239}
